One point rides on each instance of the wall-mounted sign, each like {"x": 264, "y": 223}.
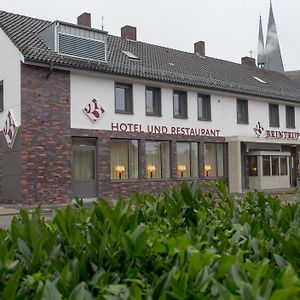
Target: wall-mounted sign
{"x": 10, "y": 129}
{"x": 139, "y": 128}
{"x": 94, "y": 110}
{"x": 275, "y": 134}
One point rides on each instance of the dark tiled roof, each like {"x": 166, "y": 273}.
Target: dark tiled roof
{"x": 155, "y": 63}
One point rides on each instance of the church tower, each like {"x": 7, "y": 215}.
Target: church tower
{"x": 269, "y": 57}
{"x": 261, "y": 47}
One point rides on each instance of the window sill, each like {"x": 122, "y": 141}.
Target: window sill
{"x": 205, "y": 120}
{"x": 123, "y": 112}
{"x": 153, "y": 115}
{"x": 244, "y": 123}
{"x": 180, "y": 117}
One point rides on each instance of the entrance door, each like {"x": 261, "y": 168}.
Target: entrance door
{"x": 84, "y": 167}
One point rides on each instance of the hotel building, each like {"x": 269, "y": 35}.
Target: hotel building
{"x": 89, "y": 114}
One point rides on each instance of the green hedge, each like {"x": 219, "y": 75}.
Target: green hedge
{"x": 183, "y": 244}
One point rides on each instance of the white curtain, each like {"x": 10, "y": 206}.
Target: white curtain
{"x": 84, "y": 165}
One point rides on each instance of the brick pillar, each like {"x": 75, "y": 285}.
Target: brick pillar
{"x": 46, "y": 137}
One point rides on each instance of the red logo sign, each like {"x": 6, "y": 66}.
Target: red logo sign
{"x": 10, "y": 129}
{"x": 258, "y": 129}
{"x": 93, "y": 110}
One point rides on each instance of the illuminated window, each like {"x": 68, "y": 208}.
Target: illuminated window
{"x": 214, "y": 159}
{"x": 253, "y": 165}
{"x": 158, "y": 157}
{"x": 187, "y": 160}
{"x": 124, "y": 159}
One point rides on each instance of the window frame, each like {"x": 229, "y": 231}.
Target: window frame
{"x": 207, "y": 100}
{"x": 244, "y": 113}
{"x": 216, "y": 160}
{"x": 128, "y": 98}
{"x": 156, "y": 92}
{"x": 182, "y": 96}
{"x": 274, "y": 108}
{"x": 290, "y": 122}
{"x": 190, "y": 160}
{"x": 128, "y": 159}
{"x": 160, "y": 158}
{"x": 1, "y": 95}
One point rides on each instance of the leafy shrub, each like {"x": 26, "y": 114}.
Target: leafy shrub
{"x": 183, "y": 244}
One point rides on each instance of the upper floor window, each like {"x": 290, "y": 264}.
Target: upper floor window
{"x": 274, "y": 115}
{"x": 187, "y": 159}
{"x": 124, "y": 159}
{"x": 153, "y": 101}
{"x": 242, "y": 111}
{"x": 204, "y": 108}
{"x": 158, "y": 159}
{"x": 180, "y": 104}
{"x": 290, "y": 116}
{"x": 1, "y": 95}
{"x": 123, "y": 98}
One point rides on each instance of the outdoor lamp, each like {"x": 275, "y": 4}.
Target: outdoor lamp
{"x": 181, "y": 169}
{"x": 151, "y": 169}
{"x": 207, "y": 168}
{"x": 119, "y": 170}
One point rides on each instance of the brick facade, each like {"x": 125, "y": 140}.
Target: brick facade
{"x": 46, "y": 145}
{"x": 45, "y": 136}
{"x": 112, "y": 189}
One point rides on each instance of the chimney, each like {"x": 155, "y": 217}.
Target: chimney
{"x": 84, "y": 20}
{"x": 128, "y": 32}
{"x": 199, "y": 48}
{"x": 249, "y": 61}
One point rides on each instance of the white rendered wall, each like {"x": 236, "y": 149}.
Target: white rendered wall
{"x": 10, "y": 73}
{"x": 86, "y": 86}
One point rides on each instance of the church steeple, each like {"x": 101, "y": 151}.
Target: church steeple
{"x": 261, "y": 47}
{"x": 272, "y": 50}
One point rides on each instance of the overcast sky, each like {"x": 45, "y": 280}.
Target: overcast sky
{"x": 229, "y": 27}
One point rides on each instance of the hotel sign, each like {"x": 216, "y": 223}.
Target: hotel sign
{"x": 161, "y": 129}
{"x": 275, "y": 134}
{"x": 10, "y": 129}
{"x": 94, "y": 110}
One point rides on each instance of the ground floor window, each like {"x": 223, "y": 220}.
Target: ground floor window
{"x": 214, "y": 159}
{"x": 124, "y": 159}
{"x": 84, "y": 167}
{"x": 84, "y": 159}
{"x": 158, "y": 159}
{"x": 187, "y": 159}
{"x": 272, "y": 165}
{"x": 253, "y": 165}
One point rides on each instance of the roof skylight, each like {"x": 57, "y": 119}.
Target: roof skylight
{"x": 130, "y": 55}
{"x": 258, "y": 79}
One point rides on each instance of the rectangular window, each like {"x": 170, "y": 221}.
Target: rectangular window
{"x": 266, "y": 166}
{"x": 204, "y": 108}
{"x": 274, "y": 115}
{"x": 290, "y": 116}
{"x": 275, "y": 165}
{"x": 1, "y": 96}
{"x": 124, "y": 159}
{"x": 158, "y": 159}
{"x": 242, "y": 111}
{"x": 213, "y": 159}
{"x": 84, "y": 159}
{"x": 123, "y": 98}
{"x": 283, "y": 166}
{"x": 253, "y": 165}
{"x": 187, "y": 159}
{"x": 180, "y": 104}
{"x": 153, "y": 101}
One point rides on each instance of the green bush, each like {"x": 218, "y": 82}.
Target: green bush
{"x": 183, "y": 244}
